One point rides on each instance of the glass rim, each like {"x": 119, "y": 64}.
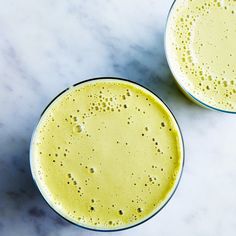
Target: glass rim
{"x": 157, "y": 209}
{"x": 200, "y": 102}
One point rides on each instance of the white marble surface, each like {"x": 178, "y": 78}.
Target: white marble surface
{"x": 48, "y": 45}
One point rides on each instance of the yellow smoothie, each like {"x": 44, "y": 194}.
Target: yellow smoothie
{"x": 201, "y": 50}
{"x": 107, "y": 154}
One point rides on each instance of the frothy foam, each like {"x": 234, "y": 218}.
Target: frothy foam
{"x": 200, "y": 43}
{"x": 106, "y": 154}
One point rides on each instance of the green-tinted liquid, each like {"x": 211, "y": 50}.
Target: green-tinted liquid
{"x": 107, "y": 154}
{"x": 201, "y": 50}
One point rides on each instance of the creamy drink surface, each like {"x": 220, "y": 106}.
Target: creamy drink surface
{"x": 107, "y": 154}
{"x": 201, "y": 50}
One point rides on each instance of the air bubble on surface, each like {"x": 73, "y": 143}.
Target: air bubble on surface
{"x": 225, "y": 83}
{"x": 77, "y": 129}
{"x": 121, "y": 212}
{"x": 139, "y": 210}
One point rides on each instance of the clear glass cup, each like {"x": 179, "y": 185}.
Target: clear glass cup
{"x": 109, "y": 229}
{"x": 183, "y": 89}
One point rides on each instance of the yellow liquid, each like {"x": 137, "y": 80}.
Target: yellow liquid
{"x": 106, "y": 154}
{"x": 201, "y": 50}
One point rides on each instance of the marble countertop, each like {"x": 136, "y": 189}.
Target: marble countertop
{"x": 48, "y": 45}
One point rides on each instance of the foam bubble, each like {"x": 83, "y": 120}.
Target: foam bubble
{"x": 139, "y": 210}
{"x": 121, "y": 212}
{"x": 77, "y": 128}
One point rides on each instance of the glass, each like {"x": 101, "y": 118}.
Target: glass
{"x": 181, "y": 86}
{"x": 143, "y": 220}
